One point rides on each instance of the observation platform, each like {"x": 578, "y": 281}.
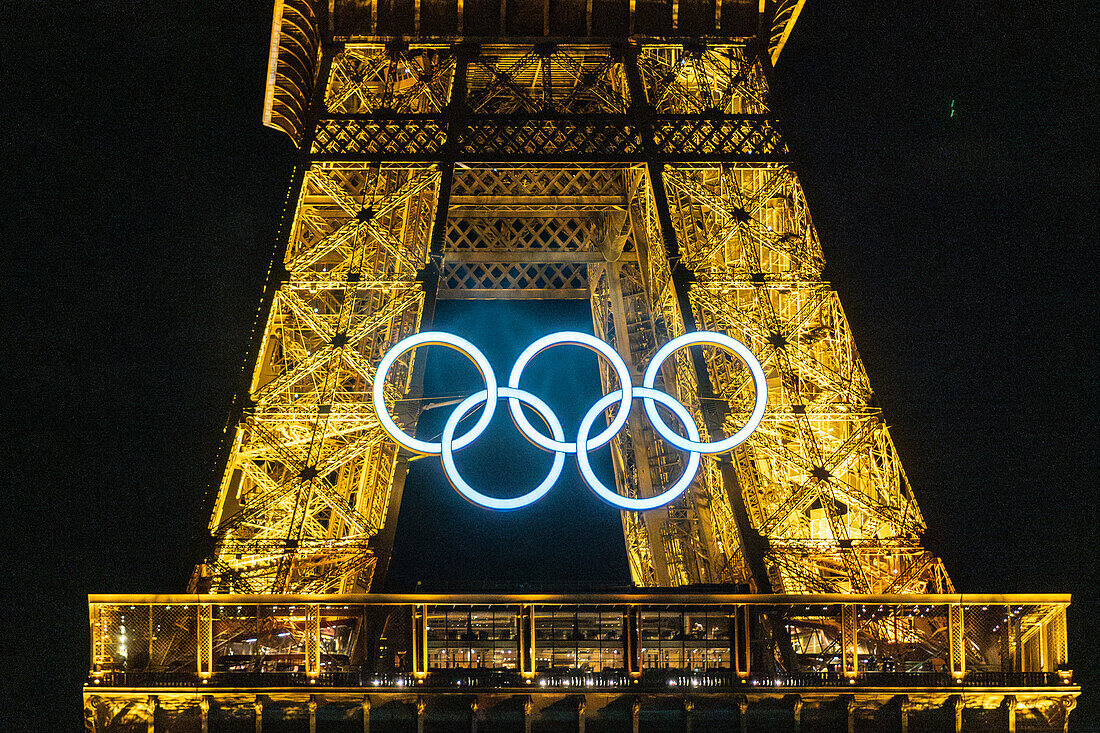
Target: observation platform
{"x": 654, "y": 661}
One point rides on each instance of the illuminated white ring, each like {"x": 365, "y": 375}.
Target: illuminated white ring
{"x": 625, "y": 502}
{"x": 571, "y": 338}
{"x": 449, "y": 446}
{"x": 434, "y": 338}
{"x": 725, "y": 342}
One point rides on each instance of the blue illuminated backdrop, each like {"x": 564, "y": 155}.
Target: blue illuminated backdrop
{"x": 570, "y": 536}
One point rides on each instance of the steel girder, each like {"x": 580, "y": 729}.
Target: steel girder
{"x": 648, "y": 178}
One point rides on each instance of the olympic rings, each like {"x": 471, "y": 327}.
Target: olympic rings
{"x": 625, "y": 502}
{"x": 459, "y": 483}
{"x": 557, "y": 444}
{"x": 573, "y": 338}
{"x": 433, "y": 338}
{"x": 758, "y": 380}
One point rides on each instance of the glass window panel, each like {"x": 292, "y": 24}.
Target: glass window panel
{"x": 650, "y": 625}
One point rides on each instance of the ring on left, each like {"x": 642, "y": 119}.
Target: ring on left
{"x": 434, "y": 338}
{"x": 449, "y": 445}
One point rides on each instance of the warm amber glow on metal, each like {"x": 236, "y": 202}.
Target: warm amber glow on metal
{"x": 448, "y": 155}
{"x": 715, "y": 222}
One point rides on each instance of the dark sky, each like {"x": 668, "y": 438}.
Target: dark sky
{"x": 141, "y": 201}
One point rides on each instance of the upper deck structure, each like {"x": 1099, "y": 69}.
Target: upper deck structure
{"x": 300, "y": 27}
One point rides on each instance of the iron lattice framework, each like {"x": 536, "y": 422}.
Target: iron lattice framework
{"x": 647, "y": 177}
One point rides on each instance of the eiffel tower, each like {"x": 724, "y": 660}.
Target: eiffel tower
{"x": 622, "y": 153}
{"x": 648, "y": 178}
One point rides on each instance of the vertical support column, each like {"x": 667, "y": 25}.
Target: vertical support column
{"x": 957, "y": 639}
{"x": 95, "y": 621}
{"x": 656, "y": 522}
{"x": 1044, "y": 647}
{"x": 632, "y": 642}
{"x": 365, "y": 706}
{"x": 1059, "y": 646}
{"x": 420, "y": 641}
{"x": 150, "y": 636}
{"x": 903, "y": 713}
{"x": 739, "y": 641}
{"x": 956, "y": 705}
{"x": 1004, "y": 643}
{"x": 1018, "y": 636}
{"x": 753, "y": 545}
{"x": 1009, "y": 705}
{"x": 743, "y": 713}
{"x": 152, "y": 704}
{"x": 204, "y": 652}
{"x": 849, "y": 640}
{"x": 455, "y": 114}
{"x": 525, "y": 640}
{"x": 850, "y": 712}
{"x": 313, "y": 641}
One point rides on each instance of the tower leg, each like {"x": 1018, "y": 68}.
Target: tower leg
{"x": 1009, "y": 706}
{"x": 955, "y": 707}
{"x": 152, "y": 703}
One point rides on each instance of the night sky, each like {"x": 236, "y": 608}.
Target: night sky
{"x": 142, "y": 198}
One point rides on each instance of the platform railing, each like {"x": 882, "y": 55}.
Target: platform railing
{"x": 712, "y": 681}
{"x": 705, "y": 641}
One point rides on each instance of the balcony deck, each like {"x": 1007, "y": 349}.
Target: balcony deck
{"x": 977, "y": 662}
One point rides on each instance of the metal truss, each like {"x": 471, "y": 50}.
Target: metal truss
{"x": 292, "y": 66}
{"x": 309, "y": 476}
{"x": 782, "y": 15}
{"x": 647, "y": 178}
{"x": 821, "y": 479}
